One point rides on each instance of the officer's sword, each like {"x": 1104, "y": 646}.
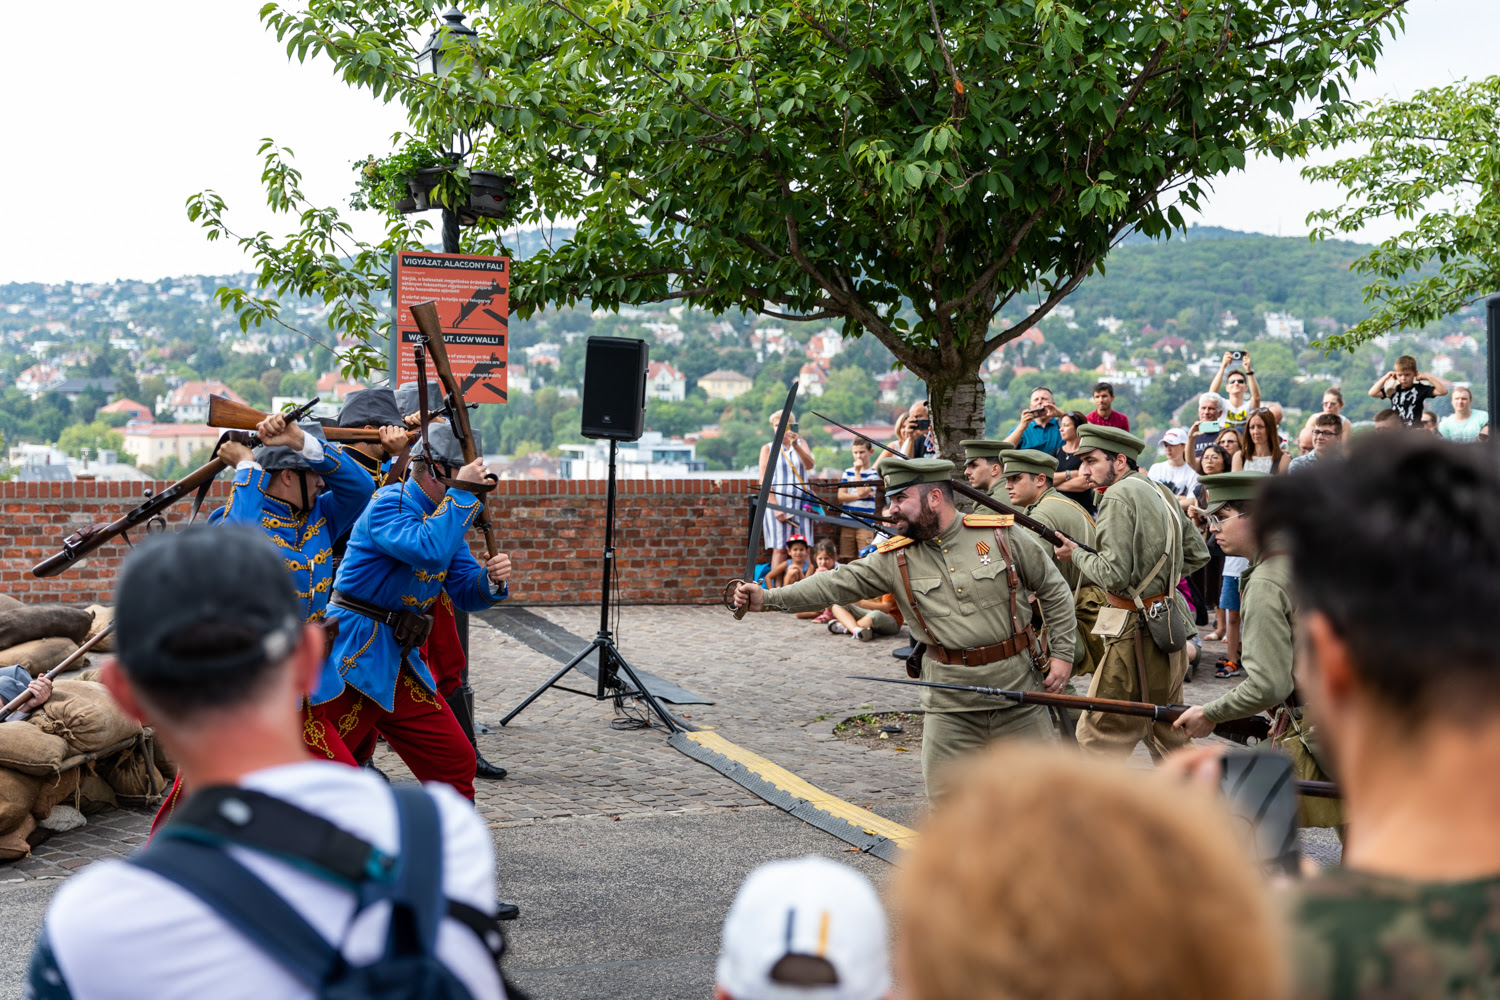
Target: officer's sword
{"x": 1049, "y": 534}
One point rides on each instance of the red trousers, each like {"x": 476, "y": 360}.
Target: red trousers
{"x": 421, "y": 729}
{"x": 444, "y": 655}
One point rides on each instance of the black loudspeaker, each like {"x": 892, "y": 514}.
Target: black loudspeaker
{"x": 614, "y": 388}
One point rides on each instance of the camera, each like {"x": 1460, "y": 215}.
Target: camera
{"x": 922, "y": 423}
{"x": 1236, "y": 355}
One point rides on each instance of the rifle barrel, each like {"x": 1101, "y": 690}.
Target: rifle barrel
{"x": 1025, "y": 520}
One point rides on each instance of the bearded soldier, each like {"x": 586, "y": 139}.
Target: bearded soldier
{"x": 982, "y": 465}
{"x": 1146, "y": 544}
{"x": 963, "y": 583}
{"x": 408, "y": 546}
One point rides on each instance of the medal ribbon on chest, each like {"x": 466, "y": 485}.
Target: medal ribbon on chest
{"x": 983, "y": 548}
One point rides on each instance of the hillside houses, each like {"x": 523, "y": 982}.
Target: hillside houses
{"x": 188, "y": 403}
{"x": 665, "y": 382}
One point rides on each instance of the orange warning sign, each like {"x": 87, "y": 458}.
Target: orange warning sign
{"x": 473, "y": 305}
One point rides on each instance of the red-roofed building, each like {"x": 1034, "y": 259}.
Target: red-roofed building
{"x": 332, "y": 387}
{"x": 189, "y": 401}
{"x": 665, "y": 382}
{"x": 135, "y": 411}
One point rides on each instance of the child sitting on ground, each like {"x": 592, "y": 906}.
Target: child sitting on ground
{"x": 866, "y": 619}
{"x": 796, "y": 566}
{"x": 825, "y": 560}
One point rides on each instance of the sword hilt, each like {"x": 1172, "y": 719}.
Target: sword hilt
{"x": 729, "y": 589}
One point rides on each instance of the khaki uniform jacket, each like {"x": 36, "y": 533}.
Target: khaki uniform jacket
{"x": 1135, "y": 516}
{"x": 1266, "y": 622}
{"x": 958, "y": 579}
{"x": 1061, "y": 514}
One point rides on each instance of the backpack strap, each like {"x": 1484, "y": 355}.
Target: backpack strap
{"x": 418, "y": 890}
{"x": 247, "y": 903}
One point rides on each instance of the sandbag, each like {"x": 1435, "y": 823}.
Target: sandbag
{"x": 94, "y": 794}
{"x": 132, "y": 775}
{"x": 7, "y": 602}
{"x": 163, "y": 760}
{"x": 40, "y": 655}
{"x": 103, "y": 615}
{"x": 24, "y": 747}
{"x": 91, "y": 674}
{"x": 17, "y": 795}
{"x": 84, "y": 714}
{"x": 55, "y": 791}
{"x": 38, "y": 621}
{"x": 13, "y": 844}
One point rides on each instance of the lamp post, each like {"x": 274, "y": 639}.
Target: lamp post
{"x": 441, "y": 56}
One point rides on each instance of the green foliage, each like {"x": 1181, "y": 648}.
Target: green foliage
{"x": 95, "y": 437}
{"x": 252, "y": 392}
{"x": 1430, "y": 162}
{"x": 171, "y": 469}
{"x": 299, "y": 385}
{"x": 528, "y": 423}
{"x": 906, "y": 171}
{"x": 383, "y": 183}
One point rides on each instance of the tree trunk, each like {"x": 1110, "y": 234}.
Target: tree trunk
{"x": 956, "y": 399}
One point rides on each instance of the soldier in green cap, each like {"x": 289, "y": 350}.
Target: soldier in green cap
{"x": 1028, "y": 484}
{"x": 963, "y": 583}
{"x": 982, "y": 467}
{"x": 1146, "y": 544}
{"x": 1267, "y": 626}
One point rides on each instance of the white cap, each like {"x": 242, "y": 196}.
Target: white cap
{"x": 809, "y": 906}
{"x": 1174, "y": 436}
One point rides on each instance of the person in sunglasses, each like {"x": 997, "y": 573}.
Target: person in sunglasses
{"x": 1236, "y": 382}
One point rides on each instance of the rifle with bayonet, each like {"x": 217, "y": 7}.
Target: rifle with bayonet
{"x": 225, "y": 412}
{"x": 1049, "y": 534}
{"x": 430, "y": 337}
{"x": 1256, "y": 727}
{"x": 148, "y": 513}
{"x": 67, "y": 662}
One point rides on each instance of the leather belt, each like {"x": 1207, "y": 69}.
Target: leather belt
{"x": 978, "y": 656}
{"x": 1121, "y": 601}
{"x": 372, "y": 611}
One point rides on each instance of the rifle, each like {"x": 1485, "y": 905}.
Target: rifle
{"x": 67, "y": 662}
{"x": 430, "y": 335}
{"x": 85, "y": 540}
{"x": 225, "y": 412}
{"x": 1050, "y": 535}
{"x": 1241, "y": 731}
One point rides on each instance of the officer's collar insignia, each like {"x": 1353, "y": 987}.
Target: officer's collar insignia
{"x": 983, "y": 548}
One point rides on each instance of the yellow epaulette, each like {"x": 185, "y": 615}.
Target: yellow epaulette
{"x": 891, "y": 544}
{"x": 989, "y": 520}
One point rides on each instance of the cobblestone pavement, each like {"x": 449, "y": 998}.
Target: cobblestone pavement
{"x": 778, "y": 686}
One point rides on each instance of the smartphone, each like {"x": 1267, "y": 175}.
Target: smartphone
{"x": 1261, "y": 789}
{"x": 1210, "y": 427}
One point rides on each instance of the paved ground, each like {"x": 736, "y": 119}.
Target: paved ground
{"x": 623, "y": 852}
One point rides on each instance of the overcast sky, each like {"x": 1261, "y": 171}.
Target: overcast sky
{"x": 132, "y": 108}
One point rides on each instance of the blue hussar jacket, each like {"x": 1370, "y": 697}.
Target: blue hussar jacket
{"x": 403, "y": 551}
{"x": 305, "y": 544}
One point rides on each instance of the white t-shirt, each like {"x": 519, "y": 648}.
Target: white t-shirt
{"x": 121, "y": 932}
{"x": 1235, "y": 565}
{"x": 1180, "y": 479}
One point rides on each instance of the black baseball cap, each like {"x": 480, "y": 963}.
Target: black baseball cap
{"x": 225, "y": 574}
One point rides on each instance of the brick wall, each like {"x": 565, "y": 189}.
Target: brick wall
{"x": 676, "y": 541}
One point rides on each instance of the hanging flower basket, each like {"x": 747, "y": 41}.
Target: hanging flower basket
{"x": 489, "y": 194}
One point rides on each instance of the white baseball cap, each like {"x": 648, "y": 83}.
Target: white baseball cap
{"x": 806, "y": 907}
{"x": 1174, "y": 436}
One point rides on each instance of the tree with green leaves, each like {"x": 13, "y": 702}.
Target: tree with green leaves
{"x": 1430, "y": 163}
{"x": 907, "y": 170}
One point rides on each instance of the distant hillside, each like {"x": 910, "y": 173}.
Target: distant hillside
{"x": 1193, "y": 281}
{"x": 1194, "y": 233}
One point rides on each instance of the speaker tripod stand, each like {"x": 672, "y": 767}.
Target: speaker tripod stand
{"x": 611, "y": 663}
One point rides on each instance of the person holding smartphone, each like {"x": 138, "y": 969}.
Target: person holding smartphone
{"x": 1205, "y": 431}
{"x": 1038, "y": 429}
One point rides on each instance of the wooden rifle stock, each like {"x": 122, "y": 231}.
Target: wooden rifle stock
{"x": 86, "y": 540}
{"x": 67, "y": 662}
{"x": 225, "y": 412}
{"x": 426, "y": 317}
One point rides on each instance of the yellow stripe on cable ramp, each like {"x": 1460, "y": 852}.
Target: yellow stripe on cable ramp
{"x": 774, "y": 774}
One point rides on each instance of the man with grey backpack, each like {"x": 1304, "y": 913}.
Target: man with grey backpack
{"x": 282, "y": 876}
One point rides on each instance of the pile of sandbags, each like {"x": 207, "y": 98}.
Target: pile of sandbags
{"x": 40, "y": 636}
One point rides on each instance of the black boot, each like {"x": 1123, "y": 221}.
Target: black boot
{"x": 494, "y": 772}
{"x": 369, "y": 765}
{"x": 507, "y": 911}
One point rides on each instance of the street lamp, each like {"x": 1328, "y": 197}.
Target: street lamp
{"x": 441, "y": 56}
